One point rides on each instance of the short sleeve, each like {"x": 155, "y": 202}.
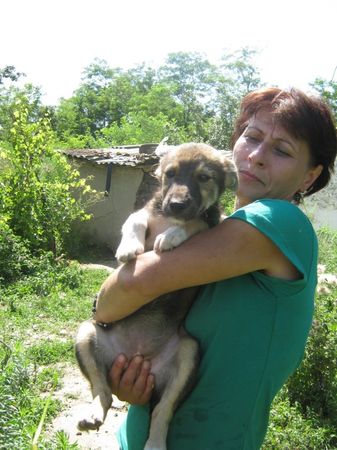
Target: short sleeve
{"x": 288, "y": 227}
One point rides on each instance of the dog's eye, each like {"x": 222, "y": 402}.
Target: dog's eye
{"x": 170, "y": 173}
{"x": 203, "y": 177}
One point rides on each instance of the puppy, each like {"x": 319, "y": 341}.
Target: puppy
{"x": 192, "y": 178}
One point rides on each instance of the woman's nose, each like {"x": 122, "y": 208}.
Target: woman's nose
{"x": 257, "y": 156}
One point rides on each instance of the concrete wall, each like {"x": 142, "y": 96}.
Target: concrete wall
{"x": 110, "y": 212}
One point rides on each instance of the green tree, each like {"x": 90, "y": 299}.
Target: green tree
{"x": 10, "y": 72}
{"x": 140, "y": 128}
{"x": 328, "y": 91}
{"x": 159, "y": 99}
{"x": 198, "y": 99}
{"x": 102, "y": 98}
{"x": 237, "y": 77}
{"x": 28, "y": 95}
{"x": 37, "y": 184}
{"x": 191, "y": 77}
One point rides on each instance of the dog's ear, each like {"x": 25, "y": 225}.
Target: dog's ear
{"x": 163, "y": 148}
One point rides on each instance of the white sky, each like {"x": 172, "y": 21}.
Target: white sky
{"x": 52, "y": 41}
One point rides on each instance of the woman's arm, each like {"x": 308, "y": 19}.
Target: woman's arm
{"x": 230, "y": 249}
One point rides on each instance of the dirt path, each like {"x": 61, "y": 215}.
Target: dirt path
{"x": 75, "y": 396}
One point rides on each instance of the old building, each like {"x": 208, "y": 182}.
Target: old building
{"x": 125, "y": 176}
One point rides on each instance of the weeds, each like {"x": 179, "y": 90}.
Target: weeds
{"x": 39, "y": 313}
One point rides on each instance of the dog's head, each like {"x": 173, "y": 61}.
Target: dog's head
{"x": 192, "y": 178}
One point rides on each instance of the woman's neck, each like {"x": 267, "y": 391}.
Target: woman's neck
{"x": 240, "y": 202}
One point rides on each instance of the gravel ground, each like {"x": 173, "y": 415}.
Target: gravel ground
{"x": 75, "y": 395}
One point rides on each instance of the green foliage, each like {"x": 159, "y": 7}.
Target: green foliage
{"x": 20, "y": 406}
{"x": 304, "y": 416}
{"x": 327, "y": 248}
{"x": 61, "y": 442}
{"x": 37, "y": 195}
{"x": 15, "y": 258}
{"x": 138, "y": 128}
{"x": 237, "y": 77}
{"x": 195, "y": 98}
{"x": 290, "y": 430}
{"x": 29, "y": 97}
{"x": 328, "y": 91}
{"x": 51, "y": 352}
{"x": 227, "y": 202}
{"x": 42, "y": 309}
{"x": 9, "y": 72}
{"x": 314, "y": 386}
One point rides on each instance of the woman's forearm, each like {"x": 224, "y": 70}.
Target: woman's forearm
{"x": 229, "y": 249}
{"x": 127, "y": 289}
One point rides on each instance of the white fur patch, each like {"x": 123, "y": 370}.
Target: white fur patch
{"x": 169, "y": 239}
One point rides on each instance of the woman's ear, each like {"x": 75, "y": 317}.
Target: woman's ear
{"x": 311, "y": 176}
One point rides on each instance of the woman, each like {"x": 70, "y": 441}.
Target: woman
{"x": 254, "y": 313}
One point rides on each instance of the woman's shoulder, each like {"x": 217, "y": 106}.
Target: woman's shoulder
{"x": 282, "y": 221}
{"x": 272, "y": 205}
{"x": 274, "y": 211}
{"x": 287, "y": 226}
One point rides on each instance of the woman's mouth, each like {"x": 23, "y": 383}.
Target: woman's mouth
{"x": 249, "y": 176}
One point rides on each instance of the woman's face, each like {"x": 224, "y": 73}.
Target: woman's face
{"x": 271, "y": 163}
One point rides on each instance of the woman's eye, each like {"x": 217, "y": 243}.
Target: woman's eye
{"x": 251, "y": 138}
{"x": 281, "y": 152}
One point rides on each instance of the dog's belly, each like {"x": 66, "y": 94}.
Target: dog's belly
{"x": 149, "y": 343}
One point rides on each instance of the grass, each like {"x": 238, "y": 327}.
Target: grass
{"x": 39, "y": 315}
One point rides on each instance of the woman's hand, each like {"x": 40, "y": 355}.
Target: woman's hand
{"x": 132, "y": 381}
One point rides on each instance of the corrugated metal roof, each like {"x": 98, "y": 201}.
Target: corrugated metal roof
{"x": 128, "y": 155}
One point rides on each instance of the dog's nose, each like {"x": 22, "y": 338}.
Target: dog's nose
{"x": 178, "y": 206}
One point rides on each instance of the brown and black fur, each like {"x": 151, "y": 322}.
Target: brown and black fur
{"x": 192, "y": 177}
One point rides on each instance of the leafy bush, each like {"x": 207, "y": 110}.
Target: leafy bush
{"x": 314, "y": 386}
{"x": 304, "y": 416}
{"x": 290, "y": 430}
{"x": 38, "y": 185}
{"x": 16, "y": 261}
{"x": 15, "y": 258}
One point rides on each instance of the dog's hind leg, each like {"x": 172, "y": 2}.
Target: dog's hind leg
{"x": 180, "y": 379}
{"x": 95, "y": 414}
{"x": 94, "y": 370}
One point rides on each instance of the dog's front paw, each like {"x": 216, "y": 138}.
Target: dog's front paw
{"x": 129, "y": 250}
{"x": 171, "y": 238}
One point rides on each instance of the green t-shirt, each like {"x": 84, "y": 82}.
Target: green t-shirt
{"x": 252, "y": 331}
